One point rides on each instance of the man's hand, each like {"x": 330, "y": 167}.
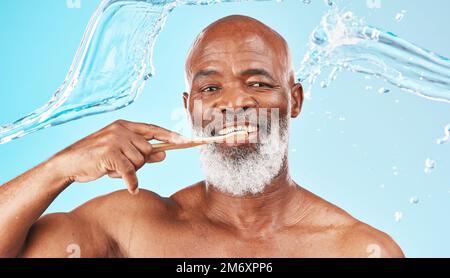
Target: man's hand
{"x": 118, "y": 150}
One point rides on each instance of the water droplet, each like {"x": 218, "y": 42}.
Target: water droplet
{"x": 333, "y": 74}
{"x": 414, "y": 200}
{"x": 148, "y": 76}
{"x": 173, "y": 8}
{"x": 348, "y": 15}
{"x": 375, "y": 35}
{"x": 324, "y": 84}
{"x": 446, "y": 137}
{"x": 329, "y": 2}
{"x": 394, "y": 170}
{"x": 342, "y": 118}
{"x": 369, "y": 88}
{"x": 307, "y": 2}
{"x": 320, "y": 38}
{"x": 383, "y": 90}
{"x": 202, "y": 2}
{"x": 400, "y": 15}
{"x": 429, "y": 165}
{"x": 398, "y": 216}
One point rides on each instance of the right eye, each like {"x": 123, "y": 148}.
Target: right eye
{"x": 210, "y": 89}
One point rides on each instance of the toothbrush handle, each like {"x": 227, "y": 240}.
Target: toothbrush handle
{"x": 161, "y": 147}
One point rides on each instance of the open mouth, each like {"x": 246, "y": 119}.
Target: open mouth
{"x": 247, "y": 128}
{"x": 251, "y": 131}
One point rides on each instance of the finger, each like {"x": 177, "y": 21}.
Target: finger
{"x": 133, "y": 155}
{"x": 142, "y": 145}
{"x": 152, "y": 158}
{"x": 156, "y": 157}
{"x": 114, "y": 175}
{"x": 150, "y": 132}
{"x": 128, "y": 173}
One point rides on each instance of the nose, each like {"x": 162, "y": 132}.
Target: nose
{"x": 235, "y": 98}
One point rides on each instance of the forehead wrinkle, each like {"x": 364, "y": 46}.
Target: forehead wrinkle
{"x": 254, "y": 44}
{"x": 236, "y": 61}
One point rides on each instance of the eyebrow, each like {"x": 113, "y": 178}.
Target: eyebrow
{"x": 258, "y": 71}
{"x": 255, "y": 71}
{"x": 205, "y": 73}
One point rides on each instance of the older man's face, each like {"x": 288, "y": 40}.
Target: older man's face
{"x": 240, "y": 71}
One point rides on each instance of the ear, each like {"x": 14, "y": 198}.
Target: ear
{"x": 186, "y": 100}
{"x": 296, "y": 100}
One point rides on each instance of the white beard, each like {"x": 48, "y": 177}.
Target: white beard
{"x": 246, "y": 169}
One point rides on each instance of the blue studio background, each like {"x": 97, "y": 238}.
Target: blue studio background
{"x": 361, "y": 150}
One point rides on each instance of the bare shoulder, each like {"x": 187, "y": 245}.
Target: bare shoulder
{"x": 123, "y": 206}
{"x": 96, "y": 228}
{"x": 353, "y": 238}
{"x": 362, "y": 240}
{"x": 123, "y": 201}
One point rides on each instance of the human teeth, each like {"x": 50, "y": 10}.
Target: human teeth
{"x": 229, "y": 130}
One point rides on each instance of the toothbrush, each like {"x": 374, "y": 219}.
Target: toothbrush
{"x": 237, "y": 135}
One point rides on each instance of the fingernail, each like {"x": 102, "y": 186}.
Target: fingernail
{"x": 135, "y": 192}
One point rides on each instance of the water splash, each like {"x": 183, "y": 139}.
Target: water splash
{"x": 109, "y": 69}
{"x": 114, "y": 60}
{"x": 344, "y": 41}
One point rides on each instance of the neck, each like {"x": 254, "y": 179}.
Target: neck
{"x": 279, "y": 205}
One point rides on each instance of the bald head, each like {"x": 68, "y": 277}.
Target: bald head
{"x": 236, "y": 34}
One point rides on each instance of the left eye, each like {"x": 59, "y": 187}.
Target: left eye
{"x": 258, "y": 85}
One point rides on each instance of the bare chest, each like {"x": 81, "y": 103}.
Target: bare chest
{"x": 200, "y": 241}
